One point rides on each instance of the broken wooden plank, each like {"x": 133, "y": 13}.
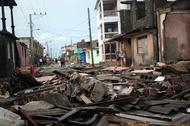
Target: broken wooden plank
{"x": 85, "y": 99}
{"x": 30, "y": 120}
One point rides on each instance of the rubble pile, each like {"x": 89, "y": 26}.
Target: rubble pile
{"x": 84, "y": 95}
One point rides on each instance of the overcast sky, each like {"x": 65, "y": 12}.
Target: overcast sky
{"x": 65, "y": 20}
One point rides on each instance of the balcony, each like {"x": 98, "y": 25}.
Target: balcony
{"x": 110, "y": 8}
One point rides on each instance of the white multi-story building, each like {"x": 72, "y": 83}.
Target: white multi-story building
{"x": 108, "y": 25}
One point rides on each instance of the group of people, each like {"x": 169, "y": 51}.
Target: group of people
{"x": 40, "y": 61}
{"x": 121, "y": 58}
{"x": 61, "y": 61}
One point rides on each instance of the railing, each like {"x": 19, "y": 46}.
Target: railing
{"x": 110, "y": 56}
{"x": 109, "y": 13}
{"x": 110, "y": 35}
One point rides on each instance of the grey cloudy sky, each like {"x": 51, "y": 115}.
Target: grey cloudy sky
{"x": 65, "y": 20}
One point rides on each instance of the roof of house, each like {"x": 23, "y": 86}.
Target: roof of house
{"x": 115, "y": 38}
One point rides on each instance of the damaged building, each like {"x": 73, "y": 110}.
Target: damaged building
{"x": 173, "y": 31}
{"x": 139, "y": 38}
{"x": 142, "y": 38}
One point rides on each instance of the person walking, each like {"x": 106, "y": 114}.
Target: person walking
{"x": 122, "y": 55}
{"x": 118, "y": 58}
{"x": 41, "y": 61}
{"x": 62, "y": 61}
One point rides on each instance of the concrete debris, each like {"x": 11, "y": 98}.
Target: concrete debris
{"x": 142, "y": 71}
{"x": 108, "y": 77}
{"x": 160, "y": 78}
{"x": 75, "y": 77}
{"x": 57, "y": 99}
{"x": 45, "y": 78}
{"x": 127, "y": 90}
{"x": 6, "y": 95}
{"x": 85, "y": 99}
{"x": 8, "y": 118}
{"x": 87, "y": 83}
{"x": 182, "y": 66}
{"x": 99, "y": 91}
{"x": 37, "y": 105}
{"x": 178, "y": 68}
{"x": 83, "y": 95}
{"x": 117, "y": 68}
{"x": 160, "y": 64}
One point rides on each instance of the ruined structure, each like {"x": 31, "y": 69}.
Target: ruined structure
{"x": 173, "y": 31}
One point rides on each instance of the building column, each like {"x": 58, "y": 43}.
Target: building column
{"x": 12, "y": 21}
{"x": 3, "y": 16}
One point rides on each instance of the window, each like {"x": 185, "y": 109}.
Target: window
{"x": 97, "y": 53}
{"x": 113, "y": 47}
{"x": 110, "y": 8}
{"x": 110, "y": 50}
{"x": 142, "y": 45}
{"x": 111, "y": 27}
{"x": 107, "y": 48}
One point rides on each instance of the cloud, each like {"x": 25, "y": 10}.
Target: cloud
{"x": 55, "y": 42}
{"x": 47, "y": 37}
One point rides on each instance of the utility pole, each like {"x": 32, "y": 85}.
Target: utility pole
{"x": 31, "y": 36}
{"x": 51, "y": 53}
{"x": 71, "y": 41}
{"x": 31, "y": 40}
{"x": 47, "y": 50}
{"x": 90, "y": 35}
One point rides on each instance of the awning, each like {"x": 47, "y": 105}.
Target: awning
{"x": 130, "y": 34}
{"x": 126, "y": 2}
{"x": 139, "y": 31}
{"x": 118, "y": 37}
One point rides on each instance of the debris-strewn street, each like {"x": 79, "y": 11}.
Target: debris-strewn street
{"x": 101, "y": 96}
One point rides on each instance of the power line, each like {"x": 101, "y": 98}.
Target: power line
{"x": 39, "y": 16}
{"x": 36, "y": 32}
{"x": 44, "y": 5}
{"x": 84, "y": 22}
{"x": 61, "y": 34}
{"x": 74, "y": 30}
{"x": 32, "y": 5}
{"x": 24, "y": 15}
